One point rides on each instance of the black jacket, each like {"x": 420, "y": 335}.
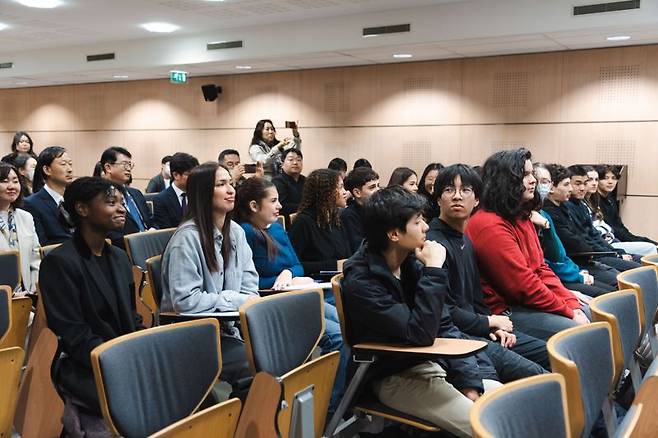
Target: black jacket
{"x": 156, "y": 184}
{"x": 167, "y": 211}
{"x": 465, "y": 300}
{"x": 318, "y": 249}
{"x": 50, "y": 227}
{"x": 573, "y": 238}
{"x": 352, "y": 218}
{"x": 582, "y": 217}
{"x": 290, "y": 192}
{"x": 381, "y": 308}
{"x": 610, "y": 209}
{"x": 131, "y": 226}
{"x": 84, "y": 310}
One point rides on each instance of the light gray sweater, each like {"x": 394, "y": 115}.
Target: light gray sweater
{"x": 188, "y": 285}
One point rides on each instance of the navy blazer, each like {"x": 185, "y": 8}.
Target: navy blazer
{"x": 50, "y": 228}
{"x": 131, "y": 226}
{"x": 167, "y": 211}
{"x": 84, "y": 309}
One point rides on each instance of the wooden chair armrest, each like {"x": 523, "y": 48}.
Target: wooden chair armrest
{"x": 444, "y": 347}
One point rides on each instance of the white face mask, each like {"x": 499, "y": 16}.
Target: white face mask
{"x": 30, "y": 174}
{"x": 543, "y": 190}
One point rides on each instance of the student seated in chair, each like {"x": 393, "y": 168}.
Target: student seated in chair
{"x": 170, "y": 205}
{"x": 457, "y": 189}
{"x": 257, "y": 208}
{"x": 361, "y": 183}
{"x": 88, "y": 292}
{"x": 392, "y": 296}
{"x": 515, "y": 279}
{"x": 208, "y": 266}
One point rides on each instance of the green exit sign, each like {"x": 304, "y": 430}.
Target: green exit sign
{"x": 178, "y": 77}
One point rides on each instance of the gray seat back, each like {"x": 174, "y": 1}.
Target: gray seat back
{"x": 531, "y": 407}
{"x": 591, "y": 350}
{"x": 645, "y": 277}
{"x": 150, "y": 379}
{"x": 5, "y": 312}
{"x": 282, "y": 330}
{"x": 624, "y": 308}
{"x": 10, "y": 269}
{"x": 154, "y": 267}
{"x": 142, "y": 246}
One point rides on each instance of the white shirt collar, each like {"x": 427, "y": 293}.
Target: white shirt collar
{"x": 56, "y": 196}
{"x": 178, "y": 193}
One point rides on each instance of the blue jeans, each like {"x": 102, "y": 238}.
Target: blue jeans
{"x": 332, "y": 340}
{"x": 539, "y": 324}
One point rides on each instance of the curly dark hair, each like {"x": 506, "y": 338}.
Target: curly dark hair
{"x": 502, "y": 193}
{"x": 319, "y": 195}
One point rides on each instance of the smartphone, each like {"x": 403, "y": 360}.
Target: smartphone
{"x": 291, "y": 125}
{"x": 249, "y": 168}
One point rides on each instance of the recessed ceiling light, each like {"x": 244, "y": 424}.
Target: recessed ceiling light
{"x": 243, "y": 67}
{"x": 120, "y": 76}
{"x": 160, "y": 27}
{"x": 618, "y": 38}
{"x": 3, "y": 26}
{"x": 21, "y": 83}
{"x": 370, "y": 35}
{"x": 403, "y": 55}
{"x": 45, "y": 4}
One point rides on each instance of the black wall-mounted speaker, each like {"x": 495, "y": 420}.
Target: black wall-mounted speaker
{"x": 210, "y": 92}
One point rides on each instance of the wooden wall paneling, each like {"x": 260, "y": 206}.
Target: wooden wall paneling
{"x": 206, "y": 115}
{"x": 87, "y": 146}
{"x": 151, "y": 105}
{"x": 99, "y": 106}
{"x": 148, "y": 148}
{"x": 523, "y": 88}
{"x": 216, "y": 140}
{"x": 542, "y": 140}
{"x": 609, "y": 85}
{"x": 274, "y": 96}
{"x": 640, "y": 215}
{"x": 51, "y": 109}
{"x": 14, "y": 109}
{"x": 422, "y": 93}
{"x": 480, "y": 141}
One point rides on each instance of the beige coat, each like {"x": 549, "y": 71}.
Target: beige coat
{"x": 28, "y": 246}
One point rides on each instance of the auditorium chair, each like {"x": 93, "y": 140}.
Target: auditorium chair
{"x": 650, "y": 260}
{"x": 154, "y": 275}
{"x": 5, "y": 312}
{"x": 45, "y": 250}
{"x": 282, "y": 220}
{"x": 644, "y": 281}
{"x": 281, "y": 332}
{"x": 20, "y": 317}
{"x": 532, "y": 407}
{"x": 150, "y": 379}
{"x": 583, "y": 356}
{"x": 10, "y": 268}
{"x": 140, "y": 247}
{"x": 257, "y": 418}
{"x": 11, "y": 361}
{"x": 620, "y": 309}
{"x": 364, "y": 355}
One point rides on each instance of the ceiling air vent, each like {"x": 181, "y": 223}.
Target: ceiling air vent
{"x": 100, "y": 57}
{"x": 224, "y": 45}
{"x": 606, "y": 7}
{"x": 382, "y": 30}
{"x": 7, "y": 65}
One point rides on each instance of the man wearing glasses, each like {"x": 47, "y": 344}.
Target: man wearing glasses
{"x": 117, "y": 167}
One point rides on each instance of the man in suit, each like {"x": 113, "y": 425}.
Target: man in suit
{"x": 54, "y": 170}
{"x": 117, "y": 167}
{"x": 170, "y": 205}
{"x": 162, "y": 180}
{"x": 88, "y": 293}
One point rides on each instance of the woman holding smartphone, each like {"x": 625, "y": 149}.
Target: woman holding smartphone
{"x": 265, "y": 147}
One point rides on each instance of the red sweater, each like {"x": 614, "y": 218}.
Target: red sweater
{"x": 512, "y": 267}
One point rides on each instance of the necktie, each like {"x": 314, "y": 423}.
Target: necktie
{"x": 134, "y": 211}
{"x": 183, "y": 203}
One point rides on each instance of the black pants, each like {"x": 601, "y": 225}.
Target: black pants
{"x": 619, "y": 264}
{"x": 592, "y": 290}
{"x": 602, "y": 273}
{"x": 510, "y": 365}
{"x": 235, "y": 366}
{"x": 532, "y": 348}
